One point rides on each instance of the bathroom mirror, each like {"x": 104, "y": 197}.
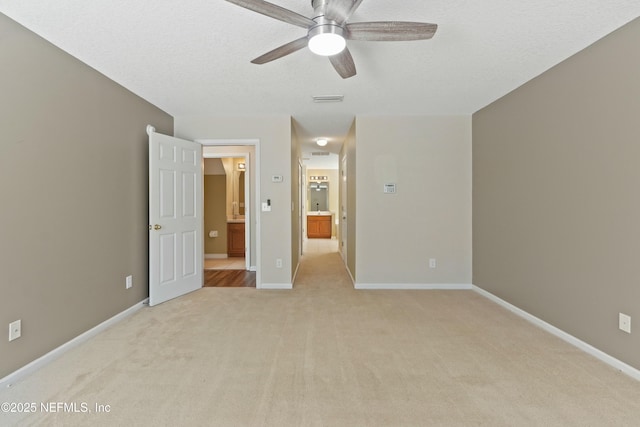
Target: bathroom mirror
{"x": 318, "y": 196}
{"x": 235, "y": 186}
{"x": 238, "y": 191}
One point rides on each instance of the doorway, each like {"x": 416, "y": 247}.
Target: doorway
{"x": 237, "y": 229}
{"x": 226, "y": 207}
{"x": 320, "y": 189}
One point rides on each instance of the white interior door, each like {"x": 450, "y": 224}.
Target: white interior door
{"x": 175, "y": 217}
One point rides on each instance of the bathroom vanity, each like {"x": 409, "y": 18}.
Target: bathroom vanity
{"x": 319, "y": 225}
{"x": 235, "y": 238}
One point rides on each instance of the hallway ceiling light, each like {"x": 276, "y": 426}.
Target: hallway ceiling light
{"x": 322, "y": 142}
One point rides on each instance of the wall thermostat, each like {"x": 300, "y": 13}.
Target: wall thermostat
{"x": 389, "y": 188}
{"x": 277, "y": 178}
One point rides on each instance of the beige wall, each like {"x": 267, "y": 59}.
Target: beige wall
{"x": 74, "y": 195}
{"x": 274, "y": 135}
{"x": 213, "y": 166}
{"x": 429, "y": 159}
{"x": 215, "y": 215}
{"x": 556, "y": 206}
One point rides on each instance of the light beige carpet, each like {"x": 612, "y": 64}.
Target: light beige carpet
{"x": 327, "y": 355}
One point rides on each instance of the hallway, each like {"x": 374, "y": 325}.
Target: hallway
{"x": 321, "y": 267}
{"x": 310, "y": 246}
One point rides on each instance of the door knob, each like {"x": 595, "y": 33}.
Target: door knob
{"x": 157, "y": 227}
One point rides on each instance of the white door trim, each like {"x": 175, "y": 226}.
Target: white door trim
{"x": 302, "y": 205}
{"x": 343, "y": 230}
{"x": 256, "y": 197}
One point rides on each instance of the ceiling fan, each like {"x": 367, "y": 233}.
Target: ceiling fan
{"x": 328, "y": 30}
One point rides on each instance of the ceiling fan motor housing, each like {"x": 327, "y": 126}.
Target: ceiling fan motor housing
{"x": 323, "y": 25}
{"x": 326, "y": 28}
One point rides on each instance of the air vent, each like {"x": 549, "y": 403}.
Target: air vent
{"x": 320, "y": 153}
{"x": 328, "y": 98}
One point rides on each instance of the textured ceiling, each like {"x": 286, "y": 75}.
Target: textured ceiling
{"x": 191, "y": 57}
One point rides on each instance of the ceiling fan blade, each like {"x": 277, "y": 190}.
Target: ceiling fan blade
{"x": 341, "y": 10}
{"x": 390, "y": 31}
{"x": 343, "y": 63}
{"x": 274, "y": 11}
{"x": 281, "y": 51}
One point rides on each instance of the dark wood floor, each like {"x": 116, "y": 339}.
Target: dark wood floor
{"x": 230, "y": 278}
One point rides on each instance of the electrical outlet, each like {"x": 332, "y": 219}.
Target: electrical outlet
{"x": 279, "y": 263}
{"x": 432, "y": 263}
{"x": 129, "y": 282}
{"x": 15, "y": 330}
{"x": 624, "y": 323}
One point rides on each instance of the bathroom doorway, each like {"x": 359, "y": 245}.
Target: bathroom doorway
{"x": 231, "y": 237}
{"x": 320, "y": 188}
{"x": 227, "y": 239}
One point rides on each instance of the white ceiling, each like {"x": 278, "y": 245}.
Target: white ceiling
{"x": 191, "y": 57}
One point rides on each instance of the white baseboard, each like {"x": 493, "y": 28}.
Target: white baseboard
{"x": 16, "y": 376}
{"x": 353, "y": 281}
{"x": 295, "y": 273}
{"x": 276, "y": 286}
{"x": 253, "y": 268}
{"x": 576, "y": 342}
{"x": 216, "y": 256}
{"x": 414, "y": 286}
{"x": 346, "y": 267}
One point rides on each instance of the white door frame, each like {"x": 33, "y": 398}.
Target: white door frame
{"x": 302, "y": 205}
{"x": 253, "y": 175}
{"x": 342, "y": 176}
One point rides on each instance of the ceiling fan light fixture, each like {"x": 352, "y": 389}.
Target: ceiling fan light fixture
{"x": 327, "y": 44}
{"x": 326, "y": 40}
